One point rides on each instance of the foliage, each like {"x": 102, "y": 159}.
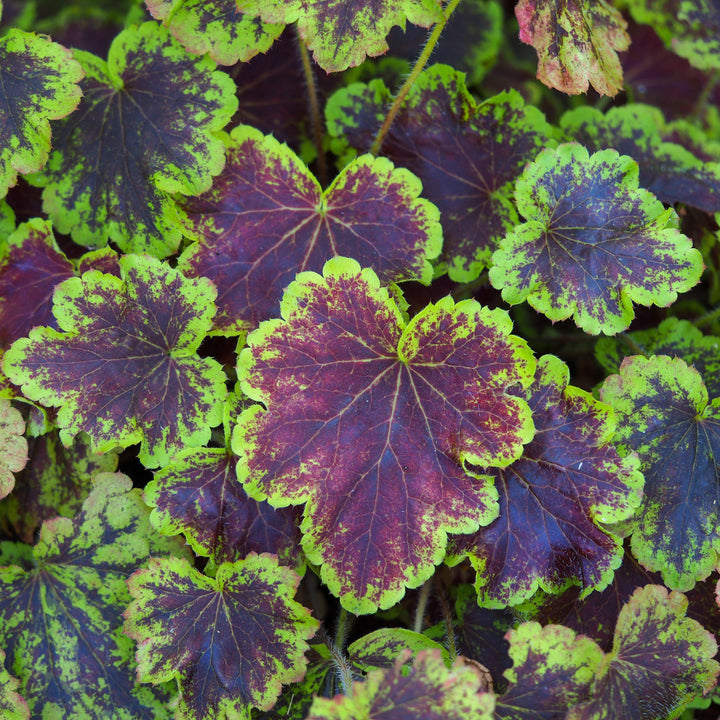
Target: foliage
{"x": 335, "y": 383}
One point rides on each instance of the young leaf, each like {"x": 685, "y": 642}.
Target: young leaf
{"x": 266, "y": 219}
{"x": 146, "y": 128}
{"x": 593, "y": 242}
{"x": 369, "y": 420}
{"x": 60, "y": 619}
{"x": 12, "y": 704}
{"x": 660, "y": 660}
{"x": 576, "y": 42}
{"x": 230, "y": 642}
{"x": 38, "y": 83}
{"x": 381, "y": 648}
{"x": 124, "y": 367}
{"x": 13, "y": 446}
{"x": 467, "y": 155}
{"x": 427, "y": 690}
{"x": 342, "y": 34}
{"x": 215, "y": 27}
{"x": 569, "y": 479}
{"x": 664, "y": 415}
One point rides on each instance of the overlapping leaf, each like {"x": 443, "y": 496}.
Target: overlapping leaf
{"x": 266, "y": 219}
{"x": 668, "y": 169}
{"x": 467, "y": 155}
{"x": 428, "y": 690}
{"x": 369, "y": 420}
{"x": 216, "y": 27}
{"x": 593, "y": 242}
{"x": 12, "y": 704}
{"x": 146, "y": 128}
{"x": 664, "y": 415}
{"x": 61, "y": 618}
{"x": 577, "y": 43}
{"x": 38, "y": 83}
{"x": 341, "y": 33}
{"x": 123, "y": 368}
{"x": 13, "y": 446}
{"x": 230, "y": 641}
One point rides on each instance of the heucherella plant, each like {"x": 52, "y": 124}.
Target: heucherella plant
{"x": 360, "y": 360}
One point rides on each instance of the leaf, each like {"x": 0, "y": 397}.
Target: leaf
{"x": 659, "y": 662}
{"x": 12, "y": 704}
{"x": 369, "y": 420}
{"x": 7, "y": 221}
{"x": 467, "y": 155}
{"x": 145, "y": 129}
{"x": 664, "y": 415}
{"x": 230, "y": 641}
{"x": 381, "y": 648}
{"x": 342, "y": 34}
{"x": 553, "y": 669}
{"x": 554, "y": 499}
{"x": 669, "y": 170}
{"x": 577, "y": 43}
{"x": 593, "y": 242}
{"x": 266, "y": 219}
{"x": 123, "y": 367}
{"x": 427, "y": 690}
{"x": 38, "y": 83}
{"x": 215, "y": 27}
{"x": 60, "y": 619}
{"x": 13, "y": 446}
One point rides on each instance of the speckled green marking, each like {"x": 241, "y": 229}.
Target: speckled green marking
{"x": 13, "y": 446}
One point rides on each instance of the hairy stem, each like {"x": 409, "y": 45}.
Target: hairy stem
{"x": 448, "y": 619}
{"x": 705, "y": 93}
{"x": 707, "y": 318}
{"x": 412, "y": 77}
{"x": 422, "y": 606}
{"x": 318, "y": 129}
{"x": 635, "y": 346}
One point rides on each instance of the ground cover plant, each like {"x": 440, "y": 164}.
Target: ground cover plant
{"x": 359, "y": 359}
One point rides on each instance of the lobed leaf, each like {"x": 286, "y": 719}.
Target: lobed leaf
{"x": 593, "y": 242}
{"x": 12, "y": 704}
{"x": 123, "y": 368}
{"x": 230, "y": 641}
{"x": 369, "y": 420}
{"x": 13, "y": 446}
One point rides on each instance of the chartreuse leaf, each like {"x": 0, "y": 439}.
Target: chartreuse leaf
{"x": 381, "y": 648}
{"x": 13, "y": 446}
{"x": 266, "y": 218}
{"x": 146, "y": 128}
{"x": 664, "y": 415}
{"x": 61, "y": 613}
{"x": 669, "y": 170}
{"x": 428, "y": 689}
{"x": 38, "y": 83}
{"x": 215, "y": 27}
{"x": 369, "y": 421}
{"x": 569, "y": 480}
{"x": 124, "y": 367}
{"x": 7, "y": 220}
{"x": 467, "y": 155}
{"x": 341, "y": 33}
{"x": 230, "y": 641}
{"x": 660, "y": 660}
{"x": 577, "y": 43}
{"x": 12, "y": 705}
{"x": 593, "y": 243}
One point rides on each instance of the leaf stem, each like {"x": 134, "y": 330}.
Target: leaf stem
{"x": 342, "y": 629}
{"x": 705, "y": 93}
{"x": 448, "y": 618}
{"x": 708, "y": 317}
{"x": 633, "y": 344}
{"x": 422, "y": 605}
{"x": 337, "y": 650}
{"x": 318, "y": 129}
{"x": 412, "y": 77}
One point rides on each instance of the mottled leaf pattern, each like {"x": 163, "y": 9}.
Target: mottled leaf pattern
{"x": 593, "y": 242}
{"x": 12, "y": 705}
{"x": 13, "y": 446}
{"x": 369, "y": 419}
{"x": 230, "y": 641}
{"x": 124, "y": 367}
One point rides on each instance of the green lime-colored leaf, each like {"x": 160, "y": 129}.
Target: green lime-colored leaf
{"x": 341, "y": 33}
{"x": 554, "y": 499}
{"x": 577, "y": 43}
{"x": 61, "y": 616}
{"x": 381, "y": 648}
{"x": 13, "y": 446}
{"x": 267, "y": 218}
{"x": 230, "y": 641}
{"x": 593, "y": 243}
{"x": 38, "y": 82}
{"x": 124, "y": 367}
{"x": 428, "y": 689}
{"x": 215, "y": 27}
{"x": 369, "y": 420}
{"x": 660, "y": 660}
{"x": 145, "y": 129}
{"x": 12, "y": 704}
{"x": 664, "y": 415}
{"x": 7, "y": 221}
